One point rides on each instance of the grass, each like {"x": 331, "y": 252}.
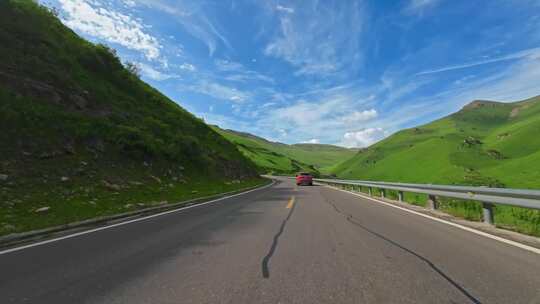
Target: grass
{"x": 484, "y": 144}
{"x": 83, "y": 135}
{"x": 280, "y": 158}
{"x": 71, "y": 202}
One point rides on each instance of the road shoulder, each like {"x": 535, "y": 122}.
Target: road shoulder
{"x": 19, "y": 241}
{"x": 516, "y": 239}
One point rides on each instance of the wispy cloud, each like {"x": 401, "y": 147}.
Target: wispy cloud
{"x": 515, "y": 82}
{"x": 418, "y": 7}
{"x": 94, "y": 19}
{"x": 154, "y": 74}
{"x": 218, "y": 91}
{"x": 359, "y": 116}
{"x": 533, "y": 52}
{"x": 193, "y": 18}
{"x": 319, "y": 38}
{"x": 228, "y": 66}
{"x": 235, "y": 71}
{"x": 187, "y": 67}
{"x": 325, "y": 116}
{"x": 285, "y": 9}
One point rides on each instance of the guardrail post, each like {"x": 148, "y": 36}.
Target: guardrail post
{"x": 370, "y": 192}
{"x": 383, "y": 193}
{"x": 400, "y": 196}
{"x": 487, "y": 213}
{"x": 432, "y": 202}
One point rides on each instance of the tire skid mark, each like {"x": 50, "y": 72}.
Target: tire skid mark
{"x": 351, "y": 219}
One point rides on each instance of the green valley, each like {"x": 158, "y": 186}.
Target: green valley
{"x": 279, "y": 158}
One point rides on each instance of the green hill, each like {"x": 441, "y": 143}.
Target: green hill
{"x": 485, "y": 144}
{"x": 264, "y": 154}
{"x": 282, "y": 158}
{"x": 322, "y": 156}
{"x": 82, "y": 136}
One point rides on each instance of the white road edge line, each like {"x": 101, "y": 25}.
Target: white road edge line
{"x": 130, "y": 221}
{"x": 484, "y": 234}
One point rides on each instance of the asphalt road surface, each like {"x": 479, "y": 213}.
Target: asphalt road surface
{"x": 282, "y": 244}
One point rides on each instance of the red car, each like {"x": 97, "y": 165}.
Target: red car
{"x": 304, "y": 178}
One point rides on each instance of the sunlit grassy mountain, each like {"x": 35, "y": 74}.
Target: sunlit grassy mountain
{"x": 286, "y": 159}
{"x": 485, "y": 143}
{"x": 83, "y": 136}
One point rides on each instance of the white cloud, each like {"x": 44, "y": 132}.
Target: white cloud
{"x": 519, "y": 81}
{"x": 191, "y": 15}
{"x": 311, "y": 141}
{"x": 218, "y": 91}
{"x": 228, "y": 66}
{"x": 418, "y": 7}
{"x": 305, "y": 113}
{"x": 285, "y": 9}
{"x": 362, "y": 138}
{"x": 268, "y": 104}
{"x": 187, "y": 67}
{"x": 235, "y": 71}
{"x": 532, "y": 53}
{"x": 154, "y": 74}
{"x": 315, "y": 114}
{"x": 358, "y": 116}
{"x": 129, "y": 3}
{"x": 236, "y": 98}
{"x": 91, "y": 18}
{"x": 320, "y": 38}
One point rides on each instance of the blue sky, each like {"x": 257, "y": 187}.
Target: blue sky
{"x": 336, "y": 72}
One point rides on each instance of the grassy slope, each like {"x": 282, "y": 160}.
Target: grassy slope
{"x": 263, "y": 153}
{"x": 85, "y": 137}
{"x": 485, "y": 143}
{"x": 323, "y": 157}
{"x": 272, "y": 156}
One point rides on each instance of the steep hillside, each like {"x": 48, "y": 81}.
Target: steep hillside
{"x": 485, "y": 144}
{"x": 83, "y": 136}
{"x": 264, "y": 153}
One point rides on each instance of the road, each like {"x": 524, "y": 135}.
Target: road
{"x": 282, "y": 244}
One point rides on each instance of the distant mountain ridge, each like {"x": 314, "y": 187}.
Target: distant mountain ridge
{"x": 283, "y": 158}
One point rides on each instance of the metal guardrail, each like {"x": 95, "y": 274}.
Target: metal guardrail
{"x": 488, "y": 196}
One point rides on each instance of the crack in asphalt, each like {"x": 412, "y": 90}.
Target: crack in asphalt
{"x": 266, "y": 259}
{"x": 351, "y": 219}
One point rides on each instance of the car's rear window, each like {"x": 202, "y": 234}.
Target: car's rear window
{"x": 305, "y": 174}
